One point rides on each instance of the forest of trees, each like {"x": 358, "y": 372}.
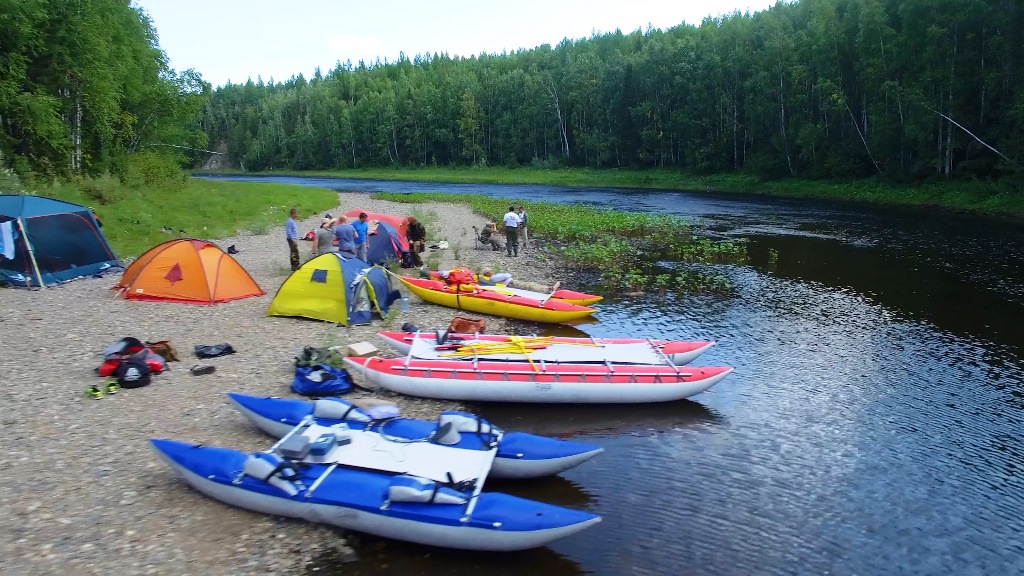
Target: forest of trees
{"x": 813, "y": 89}
{"x": 84, "y": 83}
{"x": 909, "y": 90}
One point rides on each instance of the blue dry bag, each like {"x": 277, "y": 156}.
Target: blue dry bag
{"x": 321, "y": 380}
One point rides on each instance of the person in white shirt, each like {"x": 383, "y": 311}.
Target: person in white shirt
{"x": 511, "y": 231}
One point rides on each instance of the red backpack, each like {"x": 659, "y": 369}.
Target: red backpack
{"x": 460, "y": 275}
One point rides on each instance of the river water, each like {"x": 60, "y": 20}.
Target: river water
{"x": 873, "y": 424}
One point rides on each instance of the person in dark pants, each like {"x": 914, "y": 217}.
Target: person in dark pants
{"x": 522, "y": 225}
{"x": 417, "y": 235}
{"x": 512, "y": 222}
{"x": 361, "y": 227}
{"x": 291, "y": 232}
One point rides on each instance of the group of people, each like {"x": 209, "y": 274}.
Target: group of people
{"x": 349, "y": 233}
{"x": 346, "y": 236}
{"x": 515, "y": 231}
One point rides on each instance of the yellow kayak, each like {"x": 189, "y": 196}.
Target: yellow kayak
{"x": 570, "y": 296}
{"x": 485, "y": 301}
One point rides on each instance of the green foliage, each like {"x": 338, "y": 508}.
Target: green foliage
{"x": 103, "y": 191}
{"x": 816, "y": 89}
{"x": 329, "y": 354}
{"x": 84, "y": 83}
{"x": 10, "y": 183}
{"x": 684, "y": 282}
{"x": 622, "y": 246}
{"x": 146, "y": 168}
{"x": 391, "y": 316}
{"x": 135, "y": 218}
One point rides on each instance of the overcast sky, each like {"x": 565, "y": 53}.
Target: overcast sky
{"x": 240, "y": 39}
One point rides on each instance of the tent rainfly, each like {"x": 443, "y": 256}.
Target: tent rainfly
{"x": 187, "y": 270}
{"x": 45, "y": 241}
{"x": 335, "y": 288}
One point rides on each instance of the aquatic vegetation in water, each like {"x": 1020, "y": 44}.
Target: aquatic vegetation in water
{"x": 622, "y": 246}
{"x": 685, "y": 281}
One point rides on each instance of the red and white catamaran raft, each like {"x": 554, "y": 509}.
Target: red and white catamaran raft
{"x": 537, "y": 380}
{"x": 500, "y": 347}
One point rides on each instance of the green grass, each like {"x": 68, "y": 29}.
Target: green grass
{"x": 133, "y": 218}
{"x": 1005, "y": 198}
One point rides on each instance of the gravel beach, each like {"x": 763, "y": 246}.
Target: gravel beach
{"x": 82, "y": 492}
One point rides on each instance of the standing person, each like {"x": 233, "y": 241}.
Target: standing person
{"x": 511, "y": 231}
{"x": 324, "y": 237}
{"x": 291, "y": 232}
{"x": 522, "y": 225}
{"x": 361, "y": 227}
{"x": 346, "y": 236}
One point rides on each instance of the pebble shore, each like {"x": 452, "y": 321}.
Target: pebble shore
{"x": 82, "y": 492}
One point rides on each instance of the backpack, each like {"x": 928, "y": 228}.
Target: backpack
{"x": 133, "y": 374}
{"x": 164, "y": 349}
{"x": 460, "y": 325}
{"x": 321, "y": 380}
{"x": 460, "y": 275}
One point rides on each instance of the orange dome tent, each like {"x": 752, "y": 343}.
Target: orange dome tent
{"x": 192, "y": 271}
{"x": 399, "y": 222}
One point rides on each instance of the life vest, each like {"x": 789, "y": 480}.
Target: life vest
{"x": 460, "y": 275}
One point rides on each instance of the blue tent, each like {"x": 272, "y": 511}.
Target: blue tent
{"x": 45, "y": 241}
{"x": 384, "y": 244}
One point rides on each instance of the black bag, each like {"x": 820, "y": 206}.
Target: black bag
{"x": 213, "y": 350}
{"x": 133, "y": 374}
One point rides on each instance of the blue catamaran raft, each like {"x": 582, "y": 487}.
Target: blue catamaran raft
{"x": 425, "y": 491}
{"x": 519, "y": 455}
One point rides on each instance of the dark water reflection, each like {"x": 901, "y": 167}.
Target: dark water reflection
{"x": 873, "y": 424}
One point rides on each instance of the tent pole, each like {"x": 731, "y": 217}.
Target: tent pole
{"x": 31, "y": 252}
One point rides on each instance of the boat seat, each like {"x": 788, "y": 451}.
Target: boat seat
{"x": 412, "y": 489}
{"x": 337, "y": 409}
{"x": 273, "y": 470}
{"x": 446, "y": 435}
{"x": 452, "y": 422}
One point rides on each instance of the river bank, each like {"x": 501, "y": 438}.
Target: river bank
{"x": 81, "y": 492}
{"x": 1004, "y": 199}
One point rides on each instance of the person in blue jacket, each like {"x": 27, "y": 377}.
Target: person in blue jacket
{"x": 291, "y": 233}
{"x": 346, "y": 236}
{"x": 360, "y": 227}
